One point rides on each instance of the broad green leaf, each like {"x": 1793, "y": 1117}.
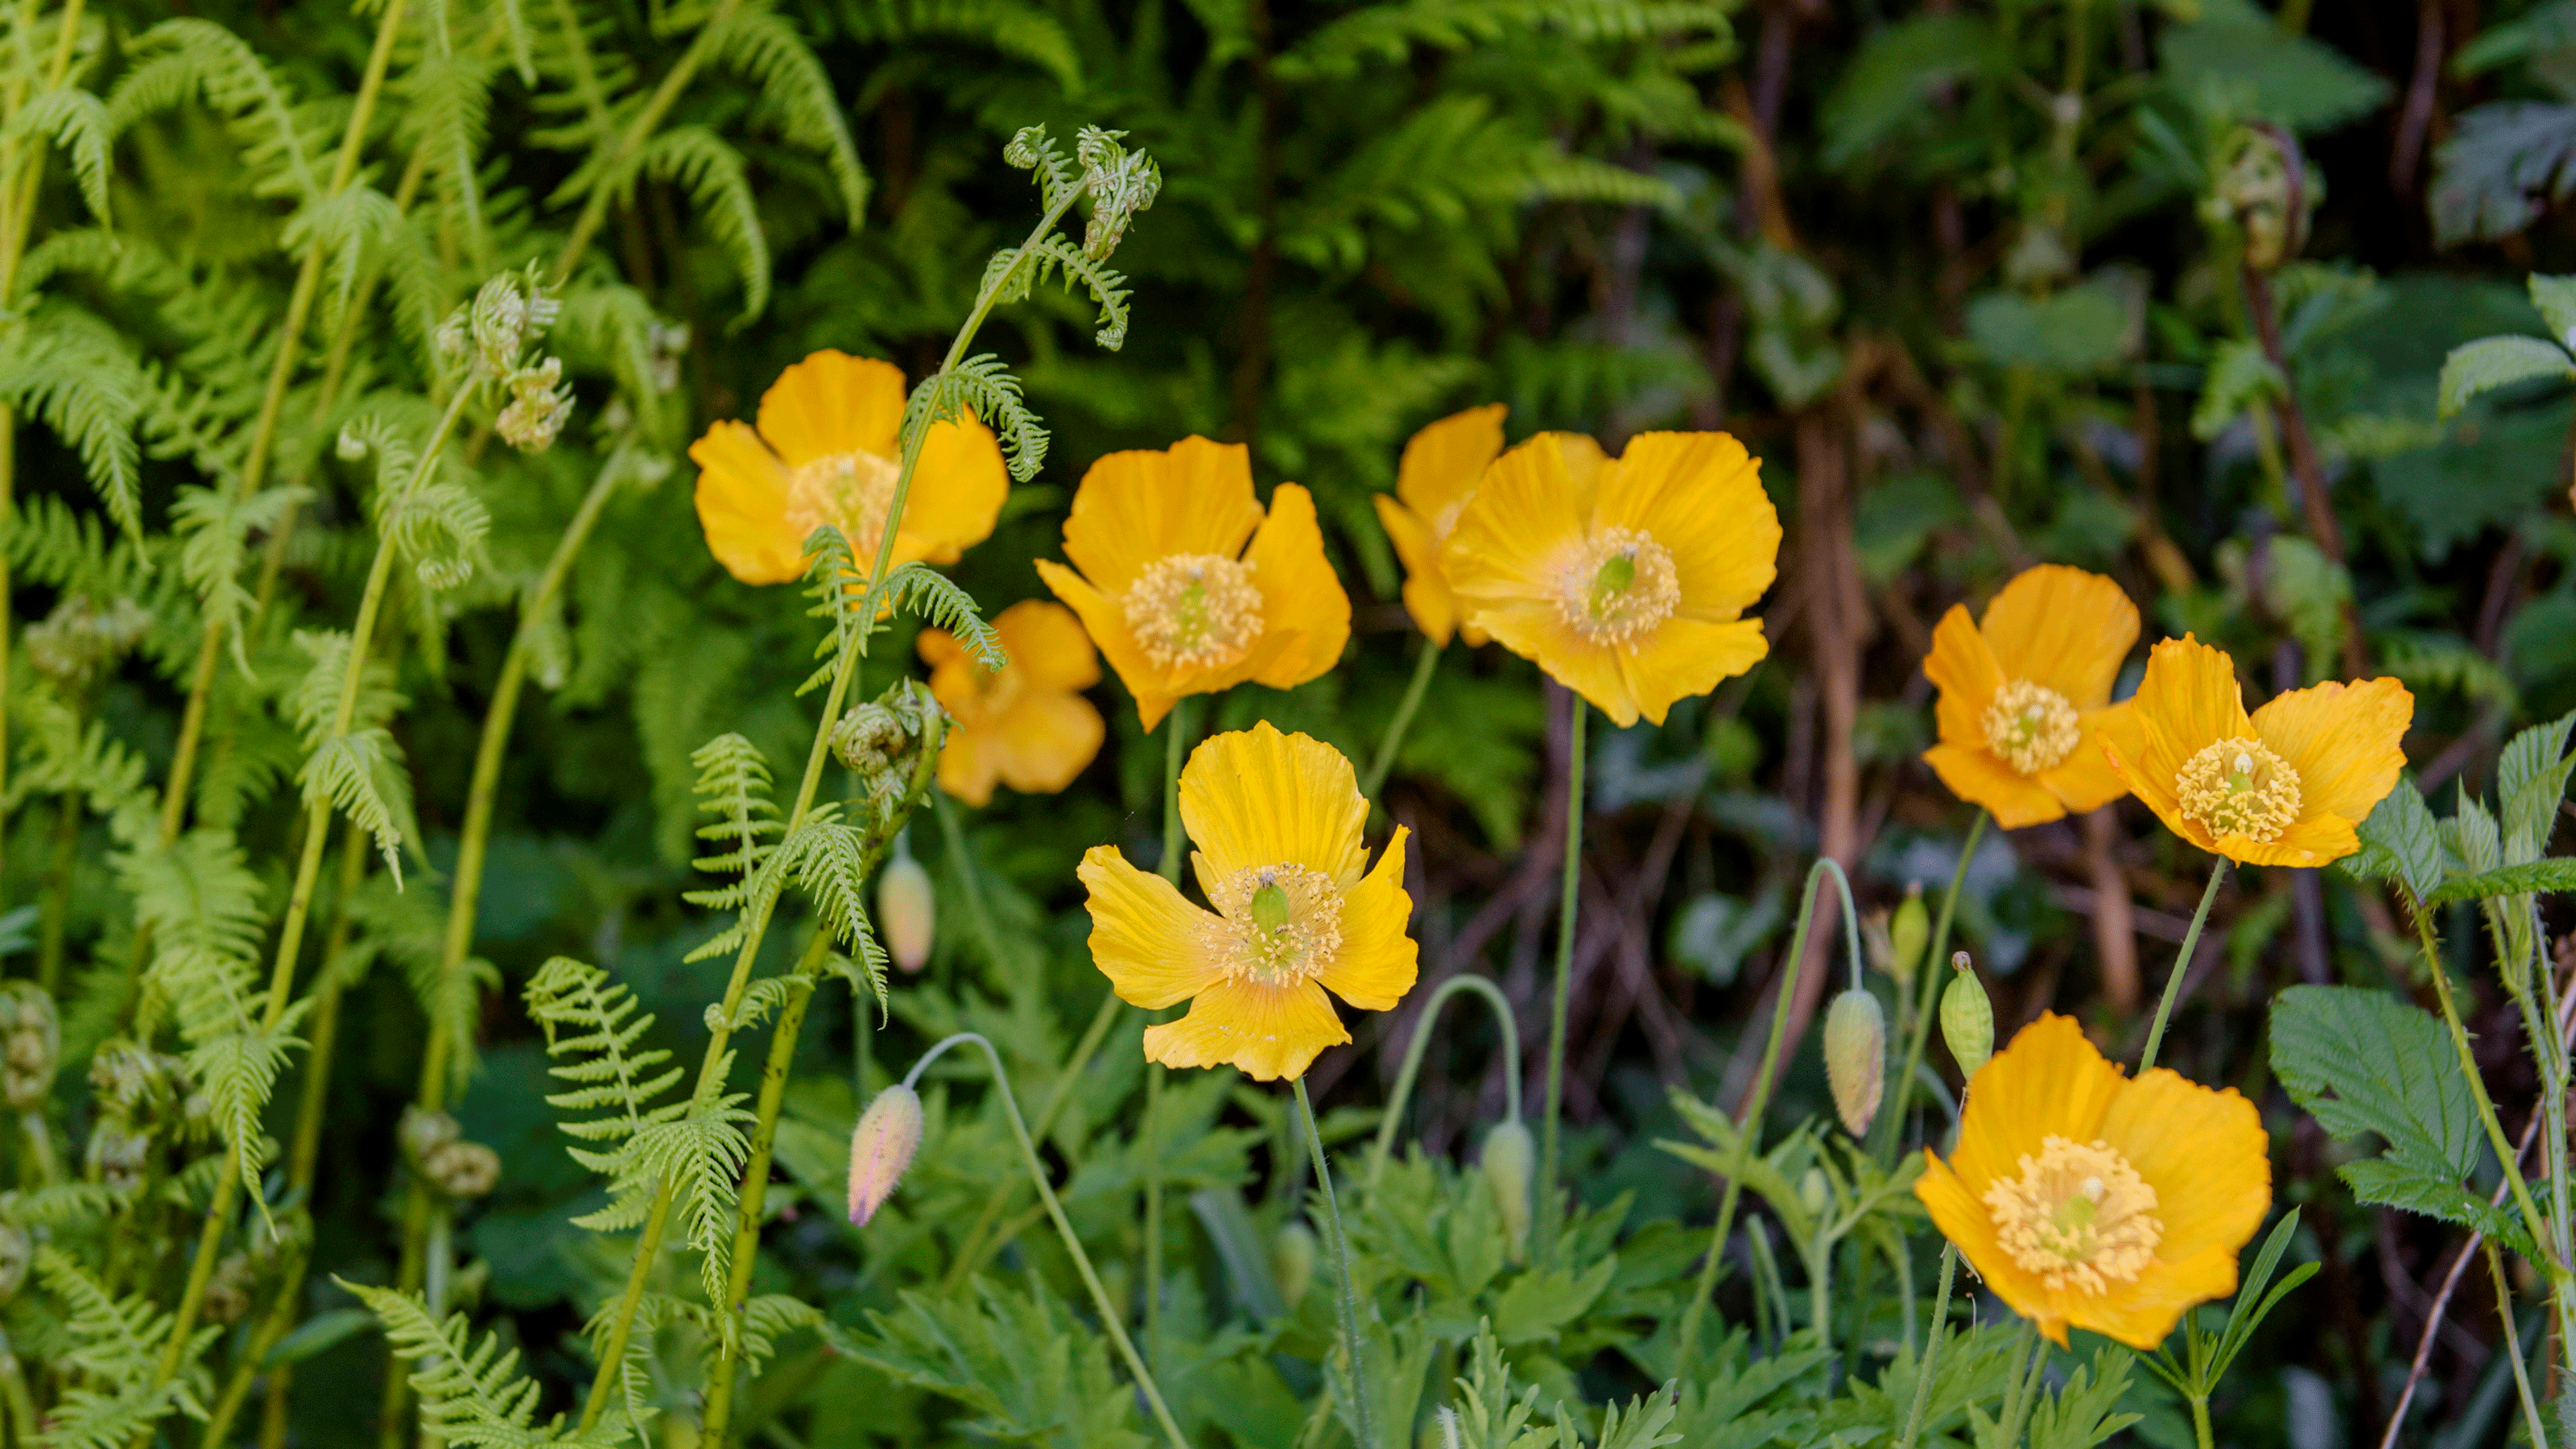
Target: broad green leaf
{"x": 1540, "y": 1303}
{"x": 2539, "y": 877}
{"x": 2366, "y": 1063}
{"x": 2556, "y": 298}
{"x": 2531, "y": 778}
{"x": 1024, "y": 1366}
{"x": 2080, "y": 330}
{"x": 2400, "y": 842}
{"x": 2493, "y": 362}
{"x": 2502, "y": 159}
{"x": 2239, "y": 375}
{"x": 2383, "y": 1182}
{"x": 1885, "y": 89}
{"x": 2299, "y": 84}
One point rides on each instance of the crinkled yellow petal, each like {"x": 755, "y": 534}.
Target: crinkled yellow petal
{"x": 1047, "y": 644}
{"x": 2204, "y": 1152}
{"x": 2345, "y": 740}
{"x": 1258, "y": 797}
{"x": 1045, "y": 739}
{"x": 2313, "y": 841}
{"x": 1976, "y": 776}
{"x": 1699, "y": 495}
{"x": 967, "y": 767}
{"x": 1378, "y": 961}
{"x": 1442, "y": 462}
{"x": 1426, "y": 591}
{"x": 2188, "y": 699}
{"x": 1958, "y": 1210}
{"x": 1153, "y": 945}
{"x": 1299, "y": 593}
{"x": 2063, "y": 628}
{"x": 1264, "y": 1032}
{"x": 1133, "y": 508}
{"x": 1535, "y": 630}
{"x": 2048, "y": 1082}
{"x": 1684, "y": 658}
{"x": 1964, "y": 670}
{"x": 2085, "y": 779}
{"x": 1106, "y": 623}
{"x": 1584, "y": 464}
{"x": 742, "y": 505}
{"x": 833, "y": 403}
{"x": 1515, "y": 532}
{"x": 2142, "y": 1313}
{"x": 957, "y": 491}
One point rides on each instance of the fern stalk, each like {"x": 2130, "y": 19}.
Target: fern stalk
{"x": 308, "y": 870}
{"x": 975, "y": 1247}
{"x": 1891, "y": 1118}
{"x": 594, "y": 211}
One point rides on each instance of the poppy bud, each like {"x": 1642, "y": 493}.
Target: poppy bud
{"x": 1508, "y": 1160}
{"x": 881, "y": 1147}
{"x": 1967, "y": 1017}
{"x": 1292, "y": 1261}
{"x": 1813, "y": 1193}
{"x": 1856, "y": 1057}
{"x": 1907, "y": 934}
{"x": 905, "y": 912}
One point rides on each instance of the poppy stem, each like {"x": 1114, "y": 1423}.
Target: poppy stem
{"x": 1109, "y": 1317}
{"x": 1551, "y": 1206}
{"x": 974, "y": 1248}
{"x": 2513, "y": 1345}
{"x": 1367, "y": 1436}
{"x": 2181, "y": 968}
{"x": 1892, "y": 1118}
{"x": 1176, "y": 726}
{"x": 1403, "y": 720}
{"x": 2023, "y": 1384}
{"x": 1748, "y": 1144}
{"x": 2533, "y": 1221}
{"x": 1931, "y": 1348}
{"x": 1421, "y": 1042}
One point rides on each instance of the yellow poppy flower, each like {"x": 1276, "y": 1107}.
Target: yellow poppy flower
{"x": 1625, "y": 580}
{"x": 1026, "y": 724}
{"x": 2026, "y": 696}
{"x": 827, "y": 451}
{"x": 2085, "y": 1199}
{"x": 1171, "y": 595}
{"x": 2285, "y": 785}
{"x": 1276, "y": 821}
{"x": 1432, "y": 484}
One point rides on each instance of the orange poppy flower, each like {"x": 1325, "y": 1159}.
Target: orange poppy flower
{"x": 827, "y": 451}
{"x": 1025, "y": 725}
{"x": 2026, "y": 696}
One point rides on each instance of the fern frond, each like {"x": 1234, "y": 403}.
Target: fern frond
{"x": 702, "y": 1150}
{"x": 471, "y": 1392}
{"x": 115, "y": 1350}
{"x": 180, "y": 60}
{"x": 983, "y": 386}
{"x": 214, "y": 526}
{"x": 713, "y": 172}
{"x": 936, "y": 597}
{"x": 346, "y": 227}
{"x": 767, "y": 48}
{"x": 77, "y": 377}
{"x": 360, "y": 774}
{"x": 75, "y": 120}
{"x": 1012, "y": 27}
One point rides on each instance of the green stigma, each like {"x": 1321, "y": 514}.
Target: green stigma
{"x": 1618, "y": 571}
{"x": 1270, "y": 908}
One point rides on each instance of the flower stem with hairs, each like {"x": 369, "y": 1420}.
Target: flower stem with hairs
{"x": 1367, "y": 1435}
{"x": 2182, "y": 967}
{"x": 1891, "y": 1122}
{"x": 1423, "y": 666}
{"x": 1413, "y": 1053}
{"x": 1551, "y": 1204}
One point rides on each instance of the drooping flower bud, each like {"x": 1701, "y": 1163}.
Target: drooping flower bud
{"x": 1967, "y": 1017}
{"x": 881, "y": 1147}
{"x": 906, "y": 912}
{"x": 1292, "y": 1261}
{"x": 1856, "y": 1057}
{"x": 1509, "y": 1161}
{"x": 1907, "y": 934}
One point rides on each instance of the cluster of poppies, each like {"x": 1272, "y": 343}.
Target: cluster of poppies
{"x": 2082, "y": 1196}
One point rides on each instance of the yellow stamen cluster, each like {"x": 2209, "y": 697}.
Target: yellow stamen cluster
{"x": 851, "y": 492}
{"x": 2079, "y": 1216}
{"x": 1276, "y": 924}
{"x": 2239, "y": 787}
{"x": 1618, "y": 587}
{"x": 2031, "y": 727}
{"x": 1194, "y": 610}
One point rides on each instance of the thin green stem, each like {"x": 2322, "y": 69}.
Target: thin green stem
{"x": 1109, "y": 1315}
{"x": 594, "y": 212}
{"x": 1940, "y": 1329}
{"x": 1891, "y": 1120}
{"x": 2023, "y": 1387}
{"x": 2533, "y": 1220}
{"x": 1428, "y": 661}
{"x": 57, "y": 899}
{"x": 1749, "y": 1141}
{"x": 2200, "y": 1423}
{"x": 2513, "y": 1347}
{"x": 1176, "y": 727}
{"x": 1412, "y": 1068}
{"x": 974, "y": 1248}
{"x": 2182, "y": 967}
{"x": 1551, "y": 1204}
{"x": 1342, "y": 1257}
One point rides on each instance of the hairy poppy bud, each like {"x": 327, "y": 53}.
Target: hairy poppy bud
{"x": 1907, "y": 934}
{"x": 1292, "y": 1261}
{"x": 1856, "y": 1057}
{"x": 906, "y": 912}
{"x": 1509, "y": 1160}
{"x": 1967, "y": 1017}
{"x": 881, "y": 1147}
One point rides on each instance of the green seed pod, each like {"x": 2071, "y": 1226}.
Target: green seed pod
{"x": 881, "y": 1147}
{"x": 1907, "y": 934}
{"x": 1292, "y": 1261}
{"x": 1856, "y": 1057}
{"x": 1509, "y": 1159}
{"x": 1813, "y": 1193}
{"x": 906, "y": 914}
{"x": 1967, "y": 1017}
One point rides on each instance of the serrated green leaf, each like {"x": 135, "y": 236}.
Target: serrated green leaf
{"x": 2493, "y": 362}
{"x": 2538, "y": 877}
{"x": 2365, "y": 1063}
{"x": 2400, "y": 842}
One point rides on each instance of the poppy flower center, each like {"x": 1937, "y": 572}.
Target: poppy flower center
{"x": 2031, "y": 727}
{"x": 1618, "y": 587}
{"x": 1194, "y": 610}
{"x": 851, "y": 492}
{"x": 2239, "y": 787}
{"x": 2079, "y": 1216}
{"x": 1276, "y": 924}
